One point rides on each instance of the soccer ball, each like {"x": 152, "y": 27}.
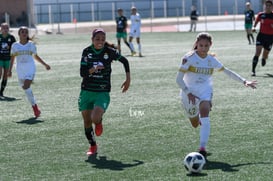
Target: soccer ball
{"x": 194, "y": 162}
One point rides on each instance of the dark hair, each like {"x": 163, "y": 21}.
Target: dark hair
{"x": 25, "y": 28}
{"x": 96, "y": 31}
{"x": 202, "y": 36}
{"x": 269, "y": 1}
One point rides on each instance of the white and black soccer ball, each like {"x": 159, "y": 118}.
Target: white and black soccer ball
{"x": 194, "y": 162}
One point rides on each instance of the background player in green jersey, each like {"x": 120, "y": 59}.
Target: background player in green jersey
{"x": 249, "y": 19}
{"x": 95, "y": 71}
{"x": 6, "y": 40}
{"x": 121, "y": 22}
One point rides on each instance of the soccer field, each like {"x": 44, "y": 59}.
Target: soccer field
{"x": 146, "y": 134}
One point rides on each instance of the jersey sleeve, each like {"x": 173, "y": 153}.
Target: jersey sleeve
{"x": 33, "y": 48}
{"x": 84, "y": 69}
{"x": 217, "y": 65}
{"x": 185, "y": 62}
{"x": 13, "y": 49}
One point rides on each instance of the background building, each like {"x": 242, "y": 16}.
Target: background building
{"x": 54, "y": 11}
{"x": 17, "y": 12}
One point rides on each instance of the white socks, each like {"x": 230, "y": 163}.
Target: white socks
{"x": 204, "y": 131}
{"x": 139, "y": 48}
{"x": 30, "y": 96}
{"x": 132, "y": 46}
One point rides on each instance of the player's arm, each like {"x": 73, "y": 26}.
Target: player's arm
{"x": 179, "y": 80}
{"x": 40, "y": 60}
{"x": 126, "y": 84}
{"x": 12, "y": 59}
{"x": 256, "y": 22}
{"x": 238, "y": 78}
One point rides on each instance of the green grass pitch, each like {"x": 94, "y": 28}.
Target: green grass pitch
{"x": 146, "y": 134}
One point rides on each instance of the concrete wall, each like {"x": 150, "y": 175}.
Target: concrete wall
{"x": 20, "y": 12}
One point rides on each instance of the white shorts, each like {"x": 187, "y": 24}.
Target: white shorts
{"x": 134, "y": 32}
{"x": 27, "y": 77}
{"x": 192, "y": 110}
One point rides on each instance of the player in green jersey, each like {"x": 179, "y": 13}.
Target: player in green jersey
{"x": 6, "y": 40}
{"x": 249, "y": 19}
{"x": 95, "y": 71}
{"x": 121, "y": 22}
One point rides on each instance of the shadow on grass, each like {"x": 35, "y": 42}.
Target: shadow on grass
{"x": 30, "y": 121}
{"x": 226, "y": 167}
{"x": 8, "y": 99}
{"x": 101, "y": 162}
{"x": 267, "y": 75}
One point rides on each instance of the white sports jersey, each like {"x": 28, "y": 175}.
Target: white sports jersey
{"x": 135, "y": 25}
{"x": 198, "y": 73}
{"x": 25, "y": 65}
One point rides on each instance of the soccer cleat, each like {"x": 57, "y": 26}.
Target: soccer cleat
{"x": 203, "y": 152}
{"x": 263, "y": 62}
{"x": 133, "y": 53}
{"x": 36, "y": 111}
{"x": 98, "y": 129}
{"x": 92, "y": 150}
{"x": 140, "y": 55}
{"x": 253, "y": 74}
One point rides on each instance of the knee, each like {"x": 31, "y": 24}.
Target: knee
{"x": 96, "y": 115}
{"x": 25, "y": 87}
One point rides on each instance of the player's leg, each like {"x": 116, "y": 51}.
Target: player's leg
{"x": 267, "y": 47}
{"x": 5, "y": 76}
{"x": 96, "y": 118}
{"x": 248, "y": 35}
{"x": 251, "y": 34}
{"x": 100, "y": 105}
{"x": 125, "y": 41}
{"x": 119, "y": 46}
{"x": 256, "y": 58}
{"x": 1, "y": 68}
{"x": 85, "y": 103}
{"x": 204, "y": 108}
{"x": 131, "y": 44}
{"x": 139, "y": 45}
{"x": 194, "y": 25}
{"x": 265, "y": 56}
{"x": 195, "y": 121}
{"x": 192, "y": 111}
{"x": 28, "y": 91}
{"x": 89, "y": 132}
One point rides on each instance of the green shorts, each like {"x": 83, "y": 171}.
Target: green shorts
{"x": 88, "y": 100}
{"x": 5, "y": 64}
{"x": 121, "y": 35}
{"x": 248, "y": 26}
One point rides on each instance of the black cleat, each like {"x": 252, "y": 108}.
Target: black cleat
{"x": 263, "y": 62}
{"x": 204, "y": 153}
{"x": 253, "y": 74}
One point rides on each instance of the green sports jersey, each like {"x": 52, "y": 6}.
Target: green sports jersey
{"x": 249, "y": 16}
{"x": 99, "y": 81}
{"x": 5, "y": 46}
{"x": 121, "y": 22}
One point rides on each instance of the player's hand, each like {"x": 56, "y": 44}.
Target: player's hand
{"x": 254, "y": 30}
{"x": 192, "y": 98}
{"x": 125, "y": 86}
{"x": 47, "y": 67}
{"x": 251, "y": 84}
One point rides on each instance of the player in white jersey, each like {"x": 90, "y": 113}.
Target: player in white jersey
{"x": 135, "y": 30}
{"x": 195, "y": 80}
{"x": 25, "y": 52}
